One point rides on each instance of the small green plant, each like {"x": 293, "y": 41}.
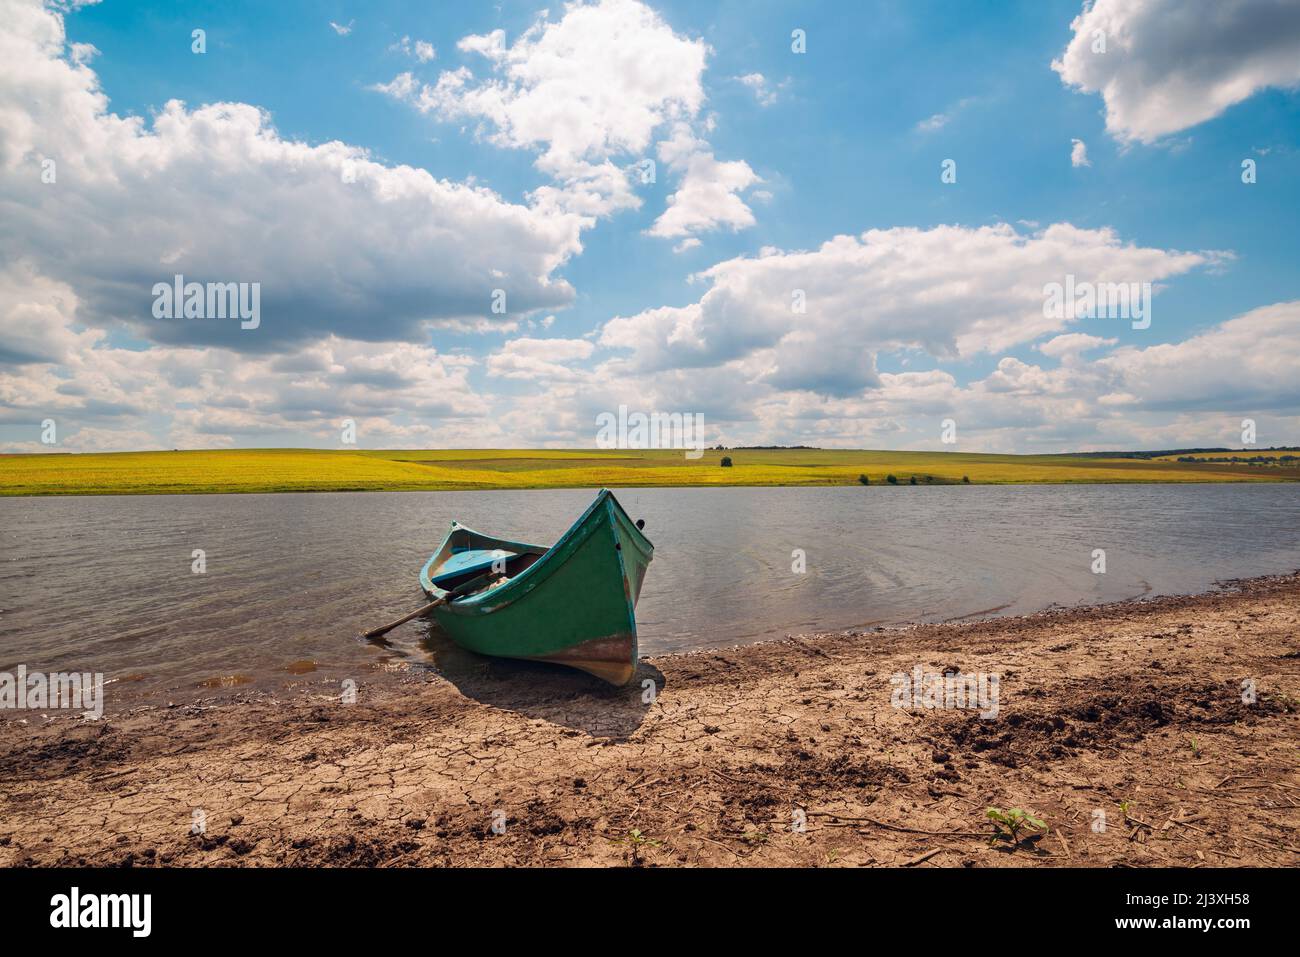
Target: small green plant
{"x": 636, "y": 841}
{"x": 1123, "y": 809}
{"x": 863, "y": 480}
{"x": 891, "y": 480}
{"x": 1196, "y": 748}
{"x": 1008, "y": 825}
{"x": 726, "y": 462}
{"x": 755, "y": 838}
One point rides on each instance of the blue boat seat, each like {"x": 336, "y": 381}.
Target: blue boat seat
{"x": 468, "y": 561}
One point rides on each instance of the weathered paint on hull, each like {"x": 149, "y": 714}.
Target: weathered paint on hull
{"x": 613, "y": 658}
{"x": 574, "y": 606}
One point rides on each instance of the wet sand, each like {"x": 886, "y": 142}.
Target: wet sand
{"x": 787, "y": 753}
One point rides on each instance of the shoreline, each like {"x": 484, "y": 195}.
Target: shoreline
{"x": 398, "y": 674}
{"x": 716, "y": 486}
{"x": 627, "y": 486}
{"x": 1131, "y": 710}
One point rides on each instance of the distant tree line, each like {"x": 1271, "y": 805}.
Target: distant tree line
{"x": 1248, "y": 460}
{"x": 927, "y": 479}
{"x": 1182, "y": 453}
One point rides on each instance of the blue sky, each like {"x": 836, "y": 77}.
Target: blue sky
{"x": 845, "y": 138}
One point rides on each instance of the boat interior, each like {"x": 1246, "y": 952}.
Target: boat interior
{"x": 470, "y": 556}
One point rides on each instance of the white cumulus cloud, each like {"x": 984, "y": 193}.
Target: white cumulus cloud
{"x": 950, "y": 291}
{"x": 1168, "y": 65}
{"x": 341, "y": 244}
{"x": 588, "y": 92}
{"x": 758, "y": 84}
{"x": 708, "y": 197}
{"x": 529, "y": 358}
{"x": 421, "y": 50}
{"x": 1079, "y": 153}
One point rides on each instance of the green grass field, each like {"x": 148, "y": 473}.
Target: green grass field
{"x": 306, "y": 470}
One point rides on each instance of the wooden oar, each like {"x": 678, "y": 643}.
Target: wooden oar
{"x": 474, "y": 584}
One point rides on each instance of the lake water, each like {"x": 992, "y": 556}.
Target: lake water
{"x": 106, "y": 583}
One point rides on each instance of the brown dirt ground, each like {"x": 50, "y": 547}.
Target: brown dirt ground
{"x": 1138, "y": 702}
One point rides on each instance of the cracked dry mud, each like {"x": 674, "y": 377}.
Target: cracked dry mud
{"x": 1132, "y": 710}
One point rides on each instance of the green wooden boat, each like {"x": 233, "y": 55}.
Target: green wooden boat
{"x": 573, "y": 603}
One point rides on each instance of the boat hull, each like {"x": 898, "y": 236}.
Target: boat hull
{"x": 574, "y": 604}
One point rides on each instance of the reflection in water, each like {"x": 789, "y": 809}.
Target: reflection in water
{"x": 105, "y": 583}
